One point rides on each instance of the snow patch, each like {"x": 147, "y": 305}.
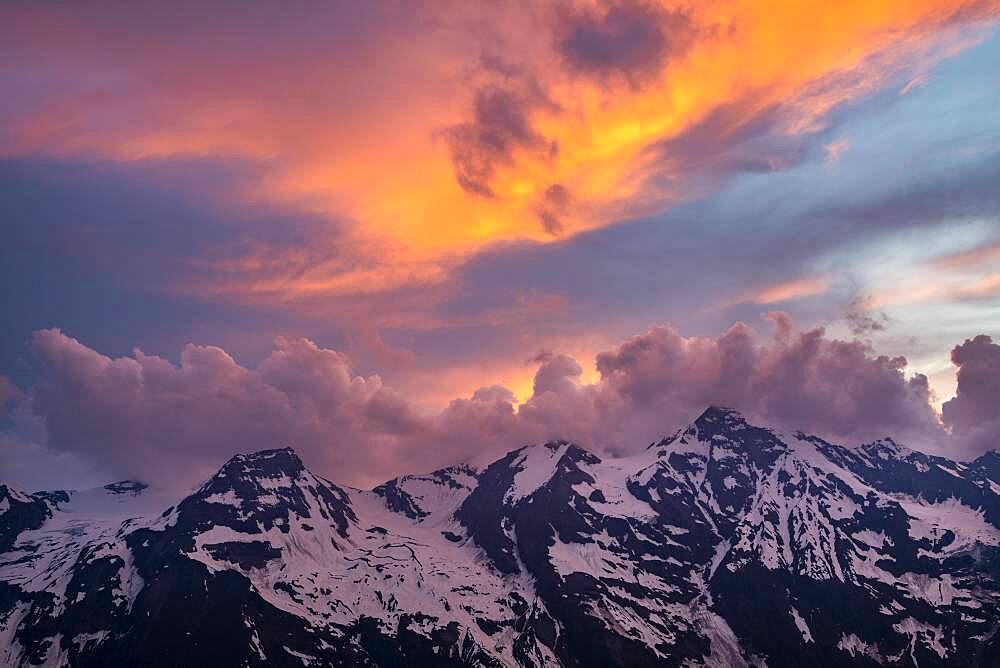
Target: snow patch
{"x": 536, "y": 465}
{"x": 801, "y": 625}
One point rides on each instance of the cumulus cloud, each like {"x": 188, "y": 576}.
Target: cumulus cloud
{"x": 144, "y": 416}
{"x": 798, "y": 379}
{"x": 973, "y": 414}
{"x": 654, "y": 382}
{"x": 628, "y": 40}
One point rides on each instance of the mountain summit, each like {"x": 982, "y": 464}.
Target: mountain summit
{"x": 726, "y": 544}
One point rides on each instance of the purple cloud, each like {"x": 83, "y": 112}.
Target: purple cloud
{"x": 146, "y": 417}
{"x": 552, "y": 207}
{"x": 974, "y": 414}
{"x": 801, "y": 380}
{"x": 630, "y": 40}
{"x": 9, "y": 394}
{"x": 143, "y": 416}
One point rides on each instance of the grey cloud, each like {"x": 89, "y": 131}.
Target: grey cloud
{"x": 973, "y": 414}
{"x": 630, "y": 40}
{"x": 500, "y": 126}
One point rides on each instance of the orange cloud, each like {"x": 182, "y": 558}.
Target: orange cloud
{"x": 780, "y": 292}
{"x": 804, "y": 287}
{"x": 960, "y": 276}
{"x": 970, "y": 258}
{"x": 944, "y": 291}
{"x": 378, "y": 126}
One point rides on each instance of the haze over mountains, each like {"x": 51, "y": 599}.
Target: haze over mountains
{"x": 727, "y": 544}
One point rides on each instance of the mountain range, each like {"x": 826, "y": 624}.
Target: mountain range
{"x": 725, "y": 544}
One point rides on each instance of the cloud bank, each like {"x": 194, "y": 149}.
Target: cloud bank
{"x": 146, "y": 417}
{"x": 974, "y": 414}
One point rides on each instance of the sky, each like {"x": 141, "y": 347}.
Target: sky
{"x": 397, "y": 235}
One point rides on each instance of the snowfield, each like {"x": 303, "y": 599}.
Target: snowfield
{"x": 726, "y": 544}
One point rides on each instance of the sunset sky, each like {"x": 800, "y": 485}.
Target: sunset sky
{"x": 395, "y": 235}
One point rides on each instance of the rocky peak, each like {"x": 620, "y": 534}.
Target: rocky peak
{"x": 720, "y": 415}
{"x": 129, "y": 487}
{"x": 720, "y": 434}
{"x": 12, "y": 494}
{"x": 728, "y": 544}
{"x": 885, "y": 449}
{"x": 19, "y": 512}
{"x": 422, "y": 496}
{"x": 264, "y": 463}
{"x": 264, "y": 489}
{"x": 987, "y": 467}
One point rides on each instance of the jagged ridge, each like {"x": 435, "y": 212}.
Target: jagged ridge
{"x": 726, "y": 543}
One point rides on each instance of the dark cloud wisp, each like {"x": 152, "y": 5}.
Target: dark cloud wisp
{"x": 500, "y": 127}
{"x": 629, "y": 40}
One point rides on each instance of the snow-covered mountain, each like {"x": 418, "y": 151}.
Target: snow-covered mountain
{"x": 725, "y": 544}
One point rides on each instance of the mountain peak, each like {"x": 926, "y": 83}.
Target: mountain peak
{"x": 19, "y": 512}
{"x": 271, "y": 453}
{"x": 270, "y": 488}
{"x": 717, "y": 420}
{"x": 535, "y": 465}
{"x": 248, "y": 476}
{"x": 425, "y": 495}
{"x": 266, "y": 462}
{"x": 13, "y": 493}
{"x": 131, "y": 487}
{"x": 549, "y": 556}
{"x": 885, "y": 448}
{"x": 554, "y": 447}
{"x": 715, "y": 413}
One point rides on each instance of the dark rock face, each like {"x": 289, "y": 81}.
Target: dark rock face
{"x": 725, "y": 544}
{"x": 21, "y": 512}
{"x": 400, "y": 500}
{"x": 987, "y": 467}
{"x": 126, "y": 487}
{"x": 54, "y": 497}
{"x": 253, "y": 554}
{"x": 261, "y": 491}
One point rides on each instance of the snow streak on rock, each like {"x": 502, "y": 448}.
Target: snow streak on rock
{"x": 725, "y": 544}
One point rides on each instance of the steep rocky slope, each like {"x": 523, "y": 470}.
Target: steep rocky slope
{"x": 725, "y": 544}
